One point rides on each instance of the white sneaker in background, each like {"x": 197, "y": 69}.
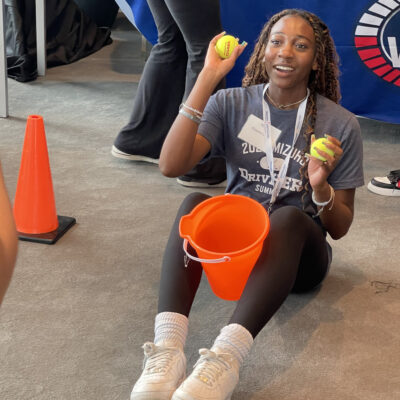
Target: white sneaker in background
{"x": 132, "y": 157}
{"x": 164, "y": 368}
{"x": 214, "y": 377}
{"x": 386, "y": 185}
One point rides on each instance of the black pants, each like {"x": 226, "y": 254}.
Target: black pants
{"x": 185, "y": 29}
{"x": 294, "y": 258}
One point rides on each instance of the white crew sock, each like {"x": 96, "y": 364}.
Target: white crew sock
{"x": 234, "y": 339}
{"x": 171, "y": 329}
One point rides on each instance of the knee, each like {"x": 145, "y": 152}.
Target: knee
{"x": 171, "y": 40}
{"x": 287, "y": 217}
{"x": 191, "y": 201}
{"x": 287, "y": 212}
{"x": 197, "y": 51}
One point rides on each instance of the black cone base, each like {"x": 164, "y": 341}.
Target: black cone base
{"x": 64, "y": 223}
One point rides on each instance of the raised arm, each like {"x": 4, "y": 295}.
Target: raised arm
{"x": 8, "y": 239}
{"x": 183, "y": 148}
{"x": 337, "y": 215}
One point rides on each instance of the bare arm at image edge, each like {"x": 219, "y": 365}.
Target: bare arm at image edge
{"x": 8, "y": 239}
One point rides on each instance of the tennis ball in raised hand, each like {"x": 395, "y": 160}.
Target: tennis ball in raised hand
{"x": 320, "y": 144}
{"x": 225, "y": 45}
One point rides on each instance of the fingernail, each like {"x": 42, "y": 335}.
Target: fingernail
{"x": 244, "y": 43}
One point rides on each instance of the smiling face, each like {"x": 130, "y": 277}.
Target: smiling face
{"x": 290, "y": 55}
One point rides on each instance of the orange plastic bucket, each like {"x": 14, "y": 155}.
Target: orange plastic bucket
{"x": 227, "y": 233}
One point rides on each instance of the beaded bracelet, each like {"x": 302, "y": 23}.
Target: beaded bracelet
{"x": 196, "y": 112}
{"x": 194, "y": 118}
{"x": 322, "y": 204}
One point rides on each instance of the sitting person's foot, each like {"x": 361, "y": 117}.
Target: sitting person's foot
{"x": 386, "y": 185}
{"x": 132, "y": 157}
{"x": 214, "y": 377}
{"x": 164, "y": 368}
{"x": 190, "y": 181}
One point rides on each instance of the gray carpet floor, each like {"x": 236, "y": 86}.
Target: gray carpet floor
{"x": 76, "y": 313}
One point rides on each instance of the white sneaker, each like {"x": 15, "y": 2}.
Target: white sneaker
{"x": 386, "y": 185}
{"x": 164, "y": 369}
{"x": 132, "y": 157}
{"x": 214, "y": 377}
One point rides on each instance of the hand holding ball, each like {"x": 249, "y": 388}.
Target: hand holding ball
{"x": 320, "y": 144}
{"x": 225, "y": 45}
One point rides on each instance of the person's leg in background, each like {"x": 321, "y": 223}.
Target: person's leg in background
{"x": 199, "y": 22}
{"x": 184, "y": 32}
{"x": 159, "y": 93}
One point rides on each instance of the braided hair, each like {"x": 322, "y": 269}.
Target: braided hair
{"x": 323, "y": 81}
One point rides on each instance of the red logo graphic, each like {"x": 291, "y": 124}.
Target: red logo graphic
{"x": 376, "y": 37}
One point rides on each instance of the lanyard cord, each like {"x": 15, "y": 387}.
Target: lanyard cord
{"x": 269, "y": 151}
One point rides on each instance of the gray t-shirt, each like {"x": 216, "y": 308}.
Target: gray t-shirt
{"x": 247, "y": 170}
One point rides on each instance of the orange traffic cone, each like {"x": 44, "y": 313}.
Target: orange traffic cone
{"x": 34, "y": 204}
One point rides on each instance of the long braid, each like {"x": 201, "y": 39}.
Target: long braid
{"x": 323, "y": 81}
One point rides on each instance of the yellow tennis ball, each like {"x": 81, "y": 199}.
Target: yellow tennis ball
{"x": 320, "y": 144}
{"x": 225, "y": 45}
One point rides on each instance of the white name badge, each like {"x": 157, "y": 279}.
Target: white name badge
{"x": 253, "y": 132}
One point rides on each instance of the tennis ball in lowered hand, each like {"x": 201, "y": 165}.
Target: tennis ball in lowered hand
{"x": 320, "y": 144}
{"x": 225, "y": 45}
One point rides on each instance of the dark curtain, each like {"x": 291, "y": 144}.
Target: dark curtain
{"x": 102, "y": 12}
{"x": 71, "y": 35}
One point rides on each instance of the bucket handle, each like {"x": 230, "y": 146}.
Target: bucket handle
{"x": 205, "y": 260}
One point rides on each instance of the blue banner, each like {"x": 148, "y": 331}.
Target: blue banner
{"x": 138, "y": 13}
{"x": 366, "y": 34}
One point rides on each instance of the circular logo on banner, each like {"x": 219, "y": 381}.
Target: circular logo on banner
{"x": 377, "y": 39}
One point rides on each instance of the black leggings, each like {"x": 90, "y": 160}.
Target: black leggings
{"x": 294, "y": 259}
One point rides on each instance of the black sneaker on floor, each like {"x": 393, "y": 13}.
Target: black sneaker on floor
{"x": 386, "y": 185}
{"x": 192, "y": 182}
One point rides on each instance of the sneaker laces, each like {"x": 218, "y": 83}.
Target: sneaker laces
{"x": 210, "y": 366}
{"x": 157, "y": 358}
{"x": 394, "y": 177}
